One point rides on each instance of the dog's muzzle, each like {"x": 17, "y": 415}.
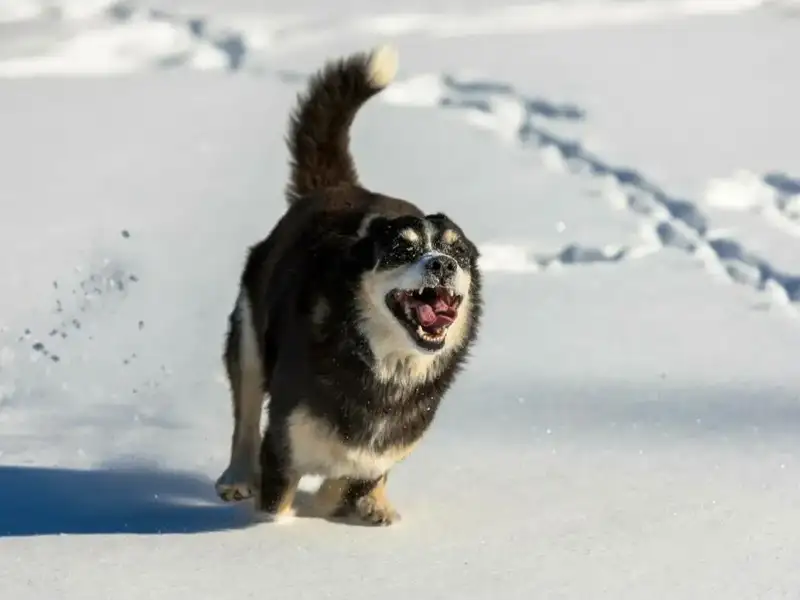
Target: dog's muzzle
{"x": 439, "y": 269}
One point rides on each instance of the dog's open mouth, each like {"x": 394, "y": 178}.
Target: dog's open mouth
{"x": 426, "y": 313}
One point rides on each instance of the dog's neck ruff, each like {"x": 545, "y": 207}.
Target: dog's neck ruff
{"x": 405, "y": 369}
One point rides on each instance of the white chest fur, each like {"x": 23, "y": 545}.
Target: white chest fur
{"x": 318, "y": 450}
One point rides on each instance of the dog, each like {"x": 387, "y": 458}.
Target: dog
{"x": 353, "y": 318}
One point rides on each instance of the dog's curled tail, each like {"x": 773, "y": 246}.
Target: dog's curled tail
{"x": 319, "y": 127}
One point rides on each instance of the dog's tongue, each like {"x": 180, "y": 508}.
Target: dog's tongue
{"x": 435, "y": 315}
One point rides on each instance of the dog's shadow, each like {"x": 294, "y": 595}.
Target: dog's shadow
{"x": 49, "y": 501}
{"x": 52, "y": 501}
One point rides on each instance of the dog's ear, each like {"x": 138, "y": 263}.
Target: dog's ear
{"x": 438, "y": 217}
{"x": 364, "y": 252}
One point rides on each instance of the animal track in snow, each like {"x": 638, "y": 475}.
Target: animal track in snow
{"x": 774, "y": 195}
{"x": 516, "y": 258}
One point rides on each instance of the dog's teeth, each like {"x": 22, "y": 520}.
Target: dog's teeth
{"x": 437, "y": 336}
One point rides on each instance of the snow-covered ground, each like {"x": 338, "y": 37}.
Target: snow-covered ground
{"x": 629, "y": 426}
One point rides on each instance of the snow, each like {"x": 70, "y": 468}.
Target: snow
{"x": 627, "y": 427}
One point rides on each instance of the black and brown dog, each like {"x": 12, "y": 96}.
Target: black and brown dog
{"x": 354, "y": 317}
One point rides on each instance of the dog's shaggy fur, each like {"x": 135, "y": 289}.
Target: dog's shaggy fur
{"x": 354, "y": 316}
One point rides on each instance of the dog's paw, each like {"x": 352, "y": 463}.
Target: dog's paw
{"x": 373, "y": 512}
{"x": 234, "y": 492}
{"x": 234, "y": 485}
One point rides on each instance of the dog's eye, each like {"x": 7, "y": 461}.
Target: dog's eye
{"x": 459, "y": 249}
{"x": 402, "y": 247}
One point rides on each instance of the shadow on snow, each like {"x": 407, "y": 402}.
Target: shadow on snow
{"x": 49, "y": 501}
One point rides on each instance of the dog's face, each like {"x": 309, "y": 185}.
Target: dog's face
{"x": 415, "y": 288}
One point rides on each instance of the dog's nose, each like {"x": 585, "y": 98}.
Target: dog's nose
{"x": 442, "y": 266}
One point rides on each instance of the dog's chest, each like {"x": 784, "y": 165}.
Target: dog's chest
{"x": 316, "y": 449}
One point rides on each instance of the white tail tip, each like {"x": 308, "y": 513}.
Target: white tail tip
{"x": 383, "y": 66}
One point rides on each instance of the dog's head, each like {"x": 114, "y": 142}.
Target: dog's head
{"x": 416, "y": 288}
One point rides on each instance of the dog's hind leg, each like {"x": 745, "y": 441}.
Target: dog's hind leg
{"x": 244, "y": 367}
{"x": 363, "y": 500}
